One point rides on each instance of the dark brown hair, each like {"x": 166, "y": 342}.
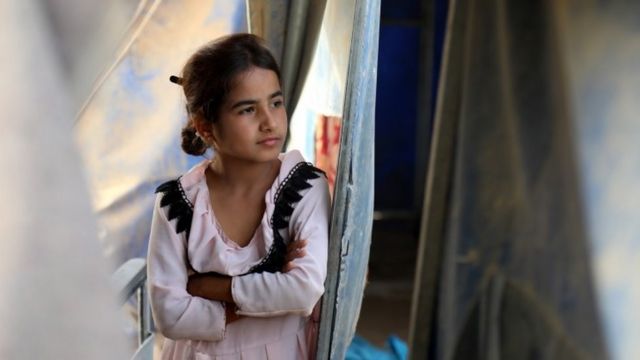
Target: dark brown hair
{"x": 208, "y": 75}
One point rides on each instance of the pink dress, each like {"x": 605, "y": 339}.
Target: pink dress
{"x": 276, "y": 306}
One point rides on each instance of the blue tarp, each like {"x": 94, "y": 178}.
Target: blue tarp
{"x": 361, "y": 349}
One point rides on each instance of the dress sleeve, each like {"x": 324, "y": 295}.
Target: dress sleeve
{"x": 297, "y": 291}
{"x": 176, "y": 313}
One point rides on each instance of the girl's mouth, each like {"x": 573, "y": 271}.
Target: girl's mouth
{"x": 272, "y": 141}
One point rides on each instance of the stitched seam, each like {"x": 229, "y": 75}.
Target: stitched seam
{"x": 183, "y": 194}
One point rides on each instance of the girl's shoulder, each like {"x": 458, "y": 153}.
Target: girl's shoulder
{"x": 295, "y": 173}
{"x": 195, "y": 176}
{"x": 179, "y": 196}
{"x": 187, "y": 185}
{"x": 297, "y": 178}
{"x": 289, "y": 159}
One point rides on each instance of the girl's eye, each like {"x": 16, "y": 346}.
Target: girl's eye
{"x": 249, "y": 110}
{"x": 278, "y": 103}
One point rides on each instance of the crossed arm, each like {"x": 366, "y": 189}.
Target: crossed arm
{"x": 218, "y": 287}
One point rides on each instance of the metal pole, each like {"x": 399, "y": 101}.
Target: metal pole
{"x": 144, "y": 315}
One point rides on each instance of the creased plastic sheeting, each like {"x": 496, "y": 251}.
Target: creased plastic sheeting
{"x": 323, "y": 92}
{"x": 87, "y": 35}
{"x": 268, "y": 19}
{"x": 55, "y": 301}
{"x": 602, "y": 39}
{"x": 515, "y": 202}
{"x": 516, "y": 274}
{"x": 129, "y": 132}
{"x": 292, "y": 29}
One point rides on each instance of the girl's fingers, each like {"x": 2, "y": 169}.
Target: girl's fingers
{"x": 295, "y": 250}
{"x": 292, "y": 255}
{"x": 296, "y": 245}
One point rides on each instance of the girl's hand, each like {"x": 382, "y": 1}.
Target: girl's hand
{"x": 230, "y": 312}
{"x": 295, "y": 250}
{"x": 210, "y": 286}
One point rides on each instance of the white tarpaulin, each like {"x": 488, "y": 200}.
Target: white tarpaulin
{"x": 55, "y": 301}
{"x": 129, "y": 131}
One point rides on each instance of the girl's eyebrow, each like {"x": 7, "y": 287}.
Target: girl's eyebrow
{"x": 275, "y": 94}
{"x": 252, "y": 101}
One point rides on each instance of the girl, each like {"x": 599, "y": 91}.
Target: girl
{"x": 238, "y": 245}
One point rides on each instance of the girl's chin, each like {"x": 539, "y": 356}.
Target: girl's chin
{"x": 264, "y": 156}
{"x": 261, "y": 155}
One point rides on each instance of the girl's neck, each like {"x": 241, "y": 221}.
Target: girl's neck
{"x": 244, "y": 176}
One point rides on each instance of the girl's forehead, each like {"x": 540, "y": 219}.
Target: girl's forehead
{"x": 255, "y": 80}
{"x": 255, "y": 76}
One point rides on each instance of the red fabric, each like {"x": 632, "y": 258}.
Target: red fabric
{"x": 327, "y": 146}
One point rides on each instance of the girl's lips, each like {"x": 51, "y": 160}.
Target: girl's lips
{"x": 270, "y": 141}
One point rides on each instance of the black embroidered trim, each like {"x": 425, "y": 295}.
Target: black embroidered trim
{"x": 286, "y": 197}
{"x": 180, "y": 207}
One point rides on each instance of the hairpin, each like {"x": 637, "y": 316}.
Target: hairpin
{"x": 176, "y": 80}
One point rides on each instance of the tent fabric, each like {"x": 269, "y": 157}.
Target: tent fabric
{"x": 291, "y": 28}
{"x": 129, "y": 131}
{"x": 509, "y": 202}
{"x": 56, "y": 301}
{"x": 352, "y": 212}
{"x": 324, "y": 87}
{"x": 602, "y": 42}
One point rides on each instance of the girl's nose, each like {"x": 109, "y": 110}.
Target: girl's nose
{"x": 268, "y": 120}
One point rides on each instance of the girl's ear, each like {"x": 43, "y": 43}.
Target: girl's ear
{"x": 203, "y": 128}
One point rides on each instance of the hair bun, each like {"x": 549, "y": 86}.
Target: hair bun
{"x": 192, "y": 144}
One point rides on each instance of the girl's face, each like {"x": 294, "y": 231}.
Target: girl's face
{"x": 252, "y": 123}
